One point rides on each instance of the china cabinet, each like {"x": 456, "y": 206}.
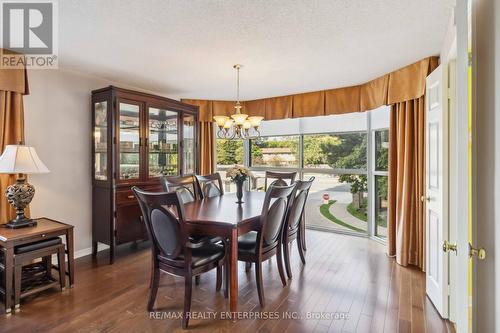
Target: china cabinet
{"x": 137, "y": 138}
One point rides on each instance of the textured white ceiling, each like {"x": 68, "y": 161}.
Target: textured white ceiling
{"x": 186, "y": 48}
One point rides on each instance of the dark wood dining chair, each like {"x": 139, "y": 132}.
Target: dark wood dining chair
{"x": 187, "y": 188}
{"x": 184, "y": 185}
{"x": 210, "y": 185}
{"x": 279, "y": 178}
{"x": 265, "y": 242}
{"x": 294, "y": 223}
{"x": 172, "y": 250}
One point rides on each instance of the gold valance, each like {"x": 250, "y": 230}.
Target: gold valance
{"x": 401, "y": 85}
{"x": 13, "y": 79}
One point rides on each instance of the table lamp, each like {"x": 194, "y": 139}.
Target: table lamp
{"x": 20, "y": 159}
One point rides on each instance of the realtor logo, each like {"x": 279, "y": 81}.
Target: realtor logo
{"x": 29, "y": 28}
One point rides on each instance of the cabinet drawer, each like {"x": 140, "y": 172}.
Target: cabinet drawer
{"x": 126, "y": 196}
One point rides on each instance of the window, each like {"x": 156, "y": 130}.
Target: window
{"x": 381, "y": 150}
{"x": 381, "y": 206}
{"x": 335, "y": 151}
{"x": 380, "y": 181}
{"x": 337, "y": 202}
{"x": 229, "y": 153}
{"x": 347, "y": 154}
{"x": 275, "y": 151}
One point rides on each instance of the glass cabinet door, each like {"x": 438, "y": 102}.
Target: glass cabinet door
{"x": 163, "y": 143}
{"x": 189, "y": 144}
{"x": 101, "y": 141}
{"x": 129, "y": 141}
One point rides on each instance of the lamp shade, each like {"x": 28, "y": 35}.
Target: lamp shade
{"x": 21, "y": 159}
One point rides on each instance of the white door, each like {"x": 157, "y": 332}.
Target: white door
{"x": 436, "y": 189}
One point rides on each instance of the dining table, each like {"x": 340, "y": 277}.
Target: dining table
{"x": 222, "y": 216}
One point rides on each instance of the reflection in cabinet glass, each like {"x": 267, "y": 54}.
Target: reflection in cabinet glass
{"x": 101, "y": 141}
{"x": 189, "y": 145}
{"x": 163, "y": 143}
{"x": 129, "y": 141}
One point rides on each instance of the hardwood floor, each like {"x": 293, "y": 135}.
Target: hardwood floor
{"x": 344, "y": 275}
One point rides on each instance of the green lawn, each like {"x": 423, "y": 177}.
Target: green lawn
{"x": 361, "y": 214}
{"x": 325, "y": 211}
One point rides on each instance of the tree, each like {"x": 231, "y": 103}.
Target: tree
{"x": 229, "y": 152}
{"x": 348, "y": 152}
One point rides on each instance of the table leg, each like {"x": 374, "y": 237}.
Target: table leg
{"x": 233, "y": 277}
{"x": 8, "y": 277}
{"x": 71, "y": 256}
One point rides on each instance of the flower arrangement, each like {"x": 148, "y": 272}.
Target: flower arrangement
{"x": 238, "y": 174}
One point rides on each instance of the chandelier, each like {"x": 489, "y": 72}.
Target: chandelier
{"x": 239, "y": 125}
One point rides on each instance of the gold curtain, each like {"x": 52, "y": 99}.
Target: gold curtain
{"x": 12, "y": 132}
{"x": 404, "y": 84}
{"x": 406, "y": 223}
{"x": 207, "y": 148}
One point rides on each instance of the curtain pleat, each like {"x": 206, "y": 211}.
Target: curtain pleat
{"x": 207, "y": 148}
{"x": 12, "y": 132}
{"x": 406, "y": 224}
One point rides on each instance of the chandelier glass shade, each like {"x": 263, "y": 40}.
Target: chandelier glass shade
{"x": 238, "y": 125}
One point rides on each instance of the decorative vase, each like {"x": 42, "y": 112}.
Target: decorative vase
{"x": 239, "y": 191}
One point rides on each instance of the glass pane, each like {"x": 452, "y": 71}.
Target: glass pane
{"x": 381, "y": 150}
{"x": 337, "y": 202}
{"x": 163, "y": 145}
{"x": 101, "y": 141}
{"x": 229, "y": 152}
{"x": 275, "y": 151}
{"x": 129, "y": 141}
{"x": 335, "y": 151}
{"x": 189, "y": 144}
{"x": 381, "y": 206}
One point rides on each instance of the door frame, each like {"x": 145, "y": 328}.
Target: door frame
{"x": 463, "y": 195}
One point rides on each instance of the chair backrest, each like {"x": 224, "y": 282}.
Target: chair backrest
{"x": 280, "y": 178}
{"x": 165, "y": 230}
{"x": 297, "y": 205}
{"x": 185, "y": 186}
{"x": 274, "y": 210}
{"x": 209, "y": 185}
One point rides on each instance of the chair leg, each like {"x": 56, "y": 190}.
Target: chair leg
{"x": 218, "y": 283}
{"x": 17, "y": 285}
{"x": 154, "y": 287}
{"x": 301, "y": 249}
{"x": 248, "y": 266}
{"x": 302, "y": 228}
{"x": 187, "y": 299}
{"x": 47, "y": 262}
{"x": 62, "y": 267}
{"x": 279, "y": 262}
{"x": 197, "y": 280}
{"x": 226, "y": 278}
{"x": 258, "y": 280}
{"x": 286, "y": 255}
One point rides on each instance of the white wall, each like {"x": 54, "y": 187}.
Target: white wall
{"x": 487, "y": 161}
{"x": 58, "y": 125}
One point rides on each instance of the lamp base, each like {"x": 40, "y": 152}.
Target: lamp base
{"x": 19, "y": 195}
{"x": 20, "y": 223}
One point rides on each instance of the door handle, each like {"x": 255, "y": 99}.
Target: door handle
{"x": 425, "y": 198}
{"x": 479, "y": 253}
{"x": 448, "y": 247}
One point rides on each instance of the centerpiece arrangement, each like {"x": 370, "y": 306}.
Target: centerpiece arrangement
{"x": 238, "y": 174}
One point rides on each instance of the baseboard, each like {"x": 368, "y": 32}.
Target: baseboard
{"x": 88, "y": 251}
